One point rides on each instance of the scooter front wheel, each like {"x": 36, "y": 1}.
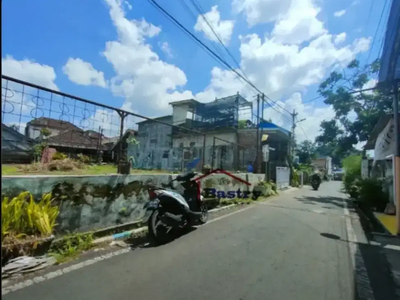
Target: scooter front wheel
{"x": 157, "y": 230}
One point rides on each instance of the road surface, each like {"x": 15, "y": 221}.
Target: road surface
{"x": 295, "y": 246}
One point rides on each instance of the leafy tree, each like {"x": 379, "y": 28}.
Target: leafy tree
{"x": 356, "y": 114}
{"x": 306, "y": 151}
{"x": 242, "y": 124}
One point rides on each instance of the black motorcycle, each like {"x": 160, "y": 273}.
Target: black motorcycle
{"x": 315, "y": 181}
{"x": 169, "y": 210}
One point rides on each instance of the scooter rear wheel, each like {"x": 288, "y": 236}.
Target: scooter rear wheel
{"x": 204, "y": 214}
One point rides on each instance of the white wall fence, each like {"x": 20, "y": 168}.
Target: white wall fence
{"x": 282, "y": 177}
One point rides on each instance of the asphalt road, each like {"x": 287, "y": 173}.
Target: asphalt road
{"x": 293, "y": 247}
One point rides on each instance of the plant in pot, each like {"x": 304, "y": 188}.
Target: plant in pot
{"x": 261, "y": 187}
{"x": 124, "y": 166}
{"x": 207, "y": 169}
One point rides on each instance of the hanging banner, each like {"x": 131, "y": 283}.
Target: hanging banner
{"x": 385, "y": 143}
{"x": 265, "y": 150}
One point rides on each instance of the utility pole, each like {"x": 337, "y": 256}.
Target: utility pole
{"x": 262, "y": 128}
{"x": 397, "y": 154}
{"x": 258, "y": 135}
{"x": 294, "y": 115}
{"x": 294, "y": 125}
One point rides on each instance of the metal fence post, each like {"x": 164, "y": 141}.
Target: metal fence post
{"x": 122, "y": 169}
{"x": 213, "y": 154}
{"x": 204, "y": 151}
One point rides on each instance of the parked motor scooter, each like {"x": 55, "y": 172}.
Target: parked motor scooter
{"x": 168, "y": 209}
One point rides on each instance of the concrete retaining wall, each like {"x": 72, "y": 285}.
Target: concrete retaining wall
{"x": 95, "y": 202}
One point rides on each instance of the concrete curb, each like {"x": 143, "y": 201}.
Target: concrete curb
{"x": 385, "y": 233}
{"x": 129, "y": 233}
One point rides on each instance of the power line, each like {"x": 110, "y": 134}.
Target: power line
{"x": 350, "y": 92}
{"x": 202, "y": 13}
{"x": 216, "y": 56}
{"x": 376, "y": 31}
{"x": 194, "y": 17}
{"x": 304, "y": 132}
{"x": 218, "y": 50}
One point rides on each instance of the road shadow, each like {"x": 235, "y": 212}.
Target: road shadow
{"x": 371, "y": 259}
{"x": 149, "y": 242}
{"x": 325, "y": 200}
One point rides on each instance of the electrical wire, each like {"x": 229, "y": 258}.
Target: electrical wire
{"x": 200, "y": 10}
{"x": 218, "y": 50}
{"x": 304, "y": 132}
{"x": 351, "y": 92}
{"x": 216, "y": 56}
{"x": 194, "y": 17}
{"x": 376, "y": 31}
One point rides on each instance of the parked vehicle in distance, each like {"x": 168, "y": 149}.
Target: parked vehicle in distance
{"x": 169, "y": 210}
{"x": 338, "y": 174}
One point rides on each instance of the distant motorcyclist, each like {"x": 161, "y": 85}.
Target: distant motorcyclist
{"x": 315, "y": 180}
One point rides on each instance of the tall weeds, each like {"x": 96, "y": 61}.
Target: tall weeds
{"x": 23, "y": 216}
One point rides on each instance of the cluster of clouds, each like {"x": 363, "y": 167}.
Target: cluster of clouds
{"x": 298, "y": 52}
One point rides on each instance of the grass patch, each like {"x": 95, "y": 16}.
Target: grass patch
{"x": 39, "y": 169}
{"x": 71, "y": 246}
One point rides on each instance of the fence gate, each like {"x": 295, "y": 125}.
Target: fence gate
{"x": 282, "y": 177}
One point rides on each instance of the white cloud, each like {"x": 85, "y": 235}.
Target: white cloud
{"x": 21, "y": 102}
{"x": 166, "y": 49}
{"x": 299, "y": 24}
{"x": 145, "y": 81}
{"x": 128, "y": 5}
{"x": 275, "y": 62}
{"x": 83, "y": 73}
{"x": 369, "y": 85}
{"x": 223, "y": 28}
{"x": 340, "y": 38}
{"x": 339, "y": 13}
{"x": 279, "y": 69}
{"x": 261, "y": 11}
{"x": 309, "y": 127}
{"x": 29, "y": 71}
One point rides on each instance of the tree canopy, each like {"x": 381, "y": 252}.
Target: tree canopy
{"x": 356, "y": 113}
{"x": 306, "y": 151}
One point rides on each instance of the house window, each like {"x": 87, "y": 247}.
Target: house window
{"x": 166, "y": 154}
{"x": 192, "y": 144}
{"x": 186, "y": 155}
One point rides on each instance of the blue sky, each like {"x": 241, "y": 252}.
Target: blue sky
{"x": 51, "y": 32}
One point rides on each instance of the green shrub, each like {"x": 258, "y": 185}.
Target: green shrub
{"x": 371, "y": 193}
{"x": 273, "y": 186}
{"x": 23, "y": 216}
{"x": 84, "y": 158}
{"x": 59, "y": 156}
{"x": 352, "y": 173}
{"x": 295, "y": 178}
{"x": 269, "y": 188}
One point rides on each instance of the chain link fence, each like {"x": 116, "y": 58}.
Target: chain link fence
{"x": 74, "y": 126}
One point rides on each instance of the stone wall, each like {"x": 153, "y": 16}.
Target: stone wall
{"x": 96, "y": 202}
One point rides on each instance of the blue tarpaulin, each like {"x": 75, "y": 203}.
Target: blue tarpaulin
{"x": 269, "y": 125}
{"x": 390, "y": 60}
